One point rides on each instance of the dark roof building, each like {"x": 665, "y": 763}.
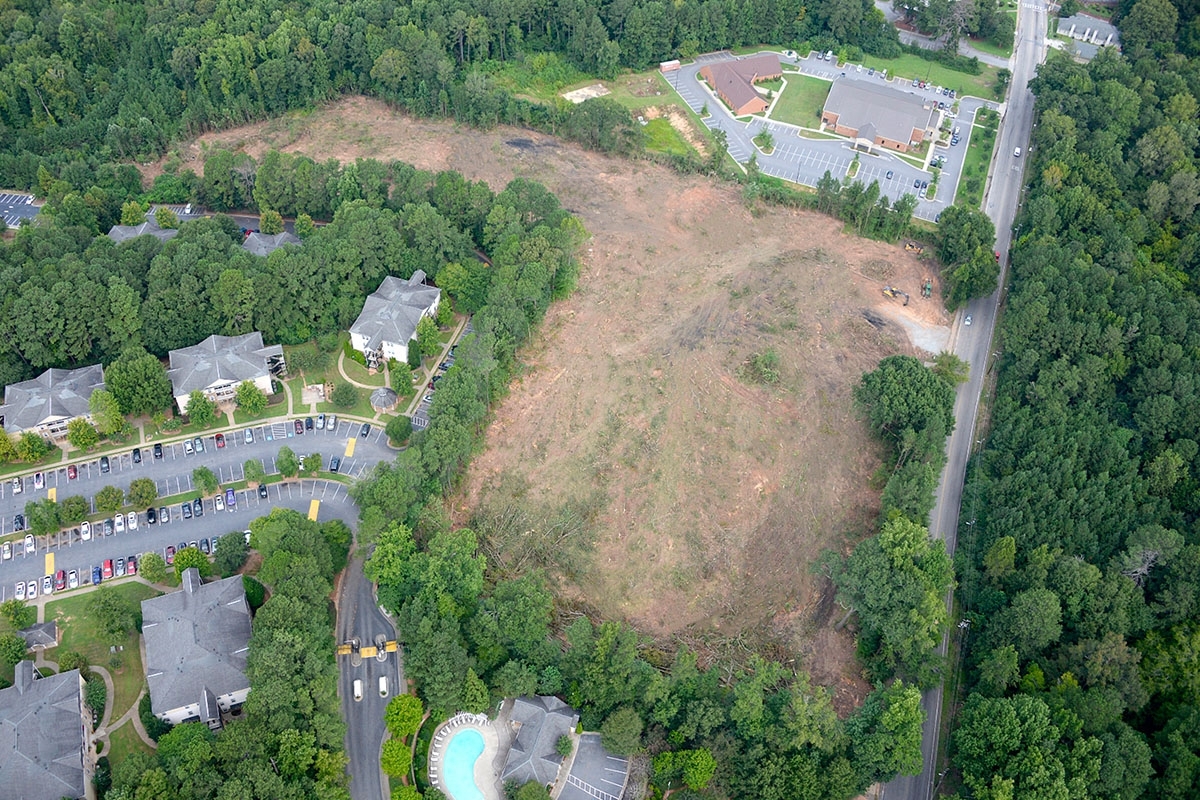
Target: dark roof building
{"x": 46, "y": 404}
{"x": 219, "y": 364}
{"x": 41, "y": 634}
{"x": 263, "y": 244}
{"x": 45, "y": 736}
{"x": 880, "y": 115}
{"x": 734, "y": 80}
{"x": 123, "y": 233}
{"x": 197, "y": 640}
{"x": 539, "y": 722}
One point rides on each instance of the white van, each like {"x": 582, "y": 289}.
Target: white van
{"x": 357, "y": 690}
{"x": 383, "y": 686}
{"x": 1017, "y": 153}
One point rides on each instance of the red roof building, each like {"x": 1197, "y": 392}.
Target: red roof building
{"x": 733, "y": 81}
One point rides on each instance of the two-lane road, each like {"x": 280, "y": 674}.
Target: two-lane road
{"x": 974, "y": 345}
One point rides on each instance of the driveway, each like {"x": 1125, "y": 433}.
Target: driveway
{"x": 803, "y": 160}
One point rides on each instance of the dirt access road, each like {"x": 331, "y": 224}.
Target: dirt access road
{"x": 631, "y": 458}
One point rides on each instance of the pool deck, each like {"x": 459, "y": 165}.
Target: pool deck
{"x": 488, "y": 766}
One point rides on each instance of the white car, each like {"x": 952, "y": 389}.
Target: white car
{"x": 31, "y": 590}
{"x": 331, "y": 423}
{"x": 72, "y": 580}
{"x": 21, "y": 590}
{"x": 187, "y": 448}
{"x": 119, "y": 523}
{"x": 133, "y": 517}
{"x": 47, "y": 585}
{"x": 7, "y": 550}
{"x": 967, "y": 321}
{"x": 219, "y": 503}
{"x": 39, "y": 480}
{"x": 30, "y": 544}
{"x": 18, "y": 487}
{"x": 85, "y": 531}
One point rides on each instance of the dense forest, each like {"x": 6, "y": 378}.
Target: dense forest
{"x": 1080, "y": 573}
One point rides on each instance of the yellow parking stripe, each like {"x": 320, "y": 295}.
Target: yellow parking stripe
{"x": 312, "y": 509}
{"x": 52, "y": 493}
{"x": 350, "y": 447}
{"x": 49, "y": 563}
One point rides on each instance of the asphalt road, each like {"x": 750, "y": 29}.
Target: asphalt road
{"x": 173, "y": 475}
{"x": 974, "y": 344}
{"x": 802, "y": 160}
{"x": 359, "y": 617}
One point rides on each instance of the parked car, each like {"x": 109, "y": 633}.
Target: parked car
{"x": 60, "y": 580}
{"x": 17, "y": 486}
{"x": 218, "y": 503}
{"x": 299, "y": 427}
{"x": 72, "y": 580}
{"x": 170, "y": 554}
{"x": 231, "y": 499}
{"x": 331, "y": 423}
{"x": 72, "y": 472}
{"x": 158, "y": 451}
{"x": 194, "y": 543}
{"x": 917, "y": 183}
{"x": 186, "y": 510}
{"x": 198, "y": 507}
{"x": 21, "y": 590}
{"x": 334, "y": 464}
{"x": 890, "y": 173}
{"x": 31, "y": 590}
{"x": 249, "y": 436}
{"x": 204, "y": 546}
{"x": 187, "y": 448}
{"x": 18, "y": 522}
{"x": 104, "y": 465}
{"x": 967, "y": 321}
{"x": 108, "y": 527}
{"x": 365, "y": 429}
{"x": 164, "y": 515}
{"x": 6, "y": 551}
{"x": 119, "y": 523}
{"x": 132, "y": 520}
{"x": 96, "y": 575}
{"x": 198, "y": 443}
{"x": 119, "y": 571}
{"x": 262, "y": 491}
{"x": 320, "y": 422}
{"x": 30, "y": 544}
{"x": 131, "y": 565}
{"x": 47, "y": 584}
{"x": 137, "y": 455}
{"x": 220, "y": 439}
{"x": 151, "y": 516}
{"x": 924, "y": 184}
{"x": 85, "y": 531}
{"x": 108, "y": 568}
{"x": 215, "y": 539}
{"x": 308, "y": 423}
{"x": 39, "y": 481}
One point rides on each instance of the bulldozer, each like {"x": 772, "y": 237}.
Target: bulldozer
{"x": 913, "y": 247}
{"x": 927, "y": 289}
{"x": 889, "y": 291}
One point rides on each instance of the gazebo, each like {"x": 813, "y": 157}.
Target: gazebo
{"x": 384, "y": 399}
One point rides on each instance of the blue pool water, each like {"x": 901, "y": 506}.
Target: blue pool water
{"x": 458, "y": 764}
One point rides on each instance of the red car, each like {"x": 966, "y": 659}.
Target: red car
{"x": 997, "y": 252}
{"x": 108, "y": 569}
{"x": 170, "y": 554}
{"x": 60, "y": 580}
{"x": 131, "y": 565}
{"x": 72, "y": 472}
{"x": 220, "y": 440}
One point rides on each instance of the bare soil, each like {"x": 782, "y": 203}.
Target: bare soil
{"x": 661, "y": 486}
{"x": 683, "y": 126}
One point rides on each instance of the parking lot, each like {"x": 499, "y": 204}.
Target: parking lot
{"x": 15, "y": 207}
{"x": 172, "y": 474}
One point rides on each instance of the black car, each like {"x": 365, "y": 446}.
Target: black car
{"x": 204, "y": 546}
{"x": 262, "y": 491}
{"x": 104, "y": 466}
{"x": 198, "y": 507}
{"x": 186, "y": 510}
{"x": 308, "y": 423}
{"x": 890, "y": 173}
{"x": 151, "y": 516}
{"x": 917, "y": 183}
{"x": 924, "y": 184}
{"x": 158, "y": 451}
{"x": 19, "y": 523}
{"x": 334, "y": 464}
{"x": 365, "y": 429}
{"x": 137, "y": 455}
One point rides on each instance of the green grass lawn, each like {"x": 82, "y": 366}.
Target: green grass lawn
{"x": 801, "y": 101}
{"x": 357, "y": 372}
{"x": 975, "y": 166}
{"x": 662, "y": 138}
{"x": 277, "y": 408}
{"x": 908, "y": 66}
{"x": 53, "y": 457}
{"x": 361, "y": 409}
{"x": 124, "y": 742}
{"x": 991, "y": 48}
{"x": 80, "y": 635}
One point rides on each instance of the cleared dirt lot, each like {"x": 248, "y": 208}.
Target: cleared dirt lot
{"x": 631, "y": 456}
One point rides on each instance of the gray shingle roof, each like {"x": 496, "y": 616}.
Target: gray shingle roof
{"x": 41, "y": 736}
{"x": 220, "y": 360}
{"x": 54, "y": 395}
{"x": 533, "y": 756}
{"x": 893, "y": 113}
{"x": 392, "y": 312}
{"x": 263, "y": 244}
{"x": 196, "y": 642}
{"x": 123, "y": 233}
{"x": 41, "y": 634}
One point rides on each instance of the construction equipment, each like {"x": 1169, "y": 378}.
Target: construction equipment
{"x": 913, "y": 247}
{"x": 927, "y": 289}
{"x": 892, "y": 292}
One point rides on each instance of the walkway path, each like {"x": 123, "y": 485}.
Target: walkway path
{"x": 341, "y": 365}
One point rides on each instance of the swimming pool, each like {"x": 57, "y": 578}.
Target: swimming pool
{"x": 458, "y": 770}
